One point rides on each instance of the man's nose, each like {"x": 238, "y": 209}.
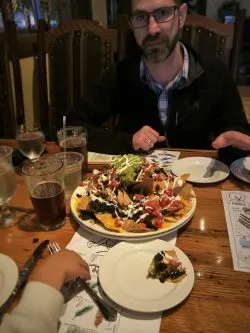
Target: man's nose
{"x": 153, "y": 26}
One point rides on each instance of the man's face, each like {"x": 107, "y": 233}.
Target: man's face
{"x": 157, "y": 40}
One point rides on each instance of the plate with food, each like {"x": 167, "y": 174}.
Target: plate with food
{"x": 146, "y": 277}
{"x": 133, "y": 200}
{"x": 202, "y": 170}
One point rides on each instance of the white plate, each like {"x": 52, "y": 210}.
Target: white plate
{"x": 201, "y": 169}
{"x": 123, "y": 277}
{"x": 100, "y": 230}
{"x": 241, "y": 169}
{"x": 8, "y": 277}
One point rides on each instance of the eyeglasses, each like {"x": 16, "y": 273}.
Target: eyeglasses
{"x": 140, "y": 19}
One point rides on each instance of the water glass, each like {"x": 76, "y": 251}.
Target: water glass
{"x": 45, "y": 183}
{"x": 30, "y": 142}
{"x": 72, "y": 163}
{"x": 6, "y": 153}
{"x": 74, "y": 138}
{"x": 7, "y": 189}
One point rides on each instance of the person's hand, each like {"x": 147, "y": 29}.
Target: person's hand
{"x": 146, "y": 138}
{"x": 59, "y": 268}
{"x": 232, "y": 138}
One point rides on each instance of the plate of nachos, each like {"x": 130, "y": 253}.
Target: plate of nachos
{"x": 133, "y": 200}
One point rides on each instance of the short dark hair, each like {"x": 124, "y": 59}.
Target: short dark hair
{"x": 178, "y": 2}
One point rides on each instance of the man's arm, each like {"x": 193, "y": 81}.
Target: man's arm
{"x": 94, "y": 110}
{"x": 230, "y": 109}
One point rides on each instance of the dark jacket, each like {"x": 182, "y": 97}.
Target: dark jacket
{"x": 207, "y": 105}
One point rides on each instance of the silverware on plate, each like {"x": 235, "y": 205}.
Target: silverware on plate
{"x": 23, "y": 275}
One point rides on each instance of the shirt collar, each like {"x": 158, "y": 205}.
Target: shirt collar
{"x": 147, "y": 78}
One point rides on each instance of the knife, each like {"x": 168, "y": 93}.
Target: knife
{"x": 23, "y": 275}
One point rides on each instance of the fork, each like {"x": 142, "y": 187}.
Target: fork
{"x": 108, "y": 312}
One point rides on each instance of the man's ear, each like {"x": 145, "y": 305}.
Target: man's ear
{"x": 183, "y": 9}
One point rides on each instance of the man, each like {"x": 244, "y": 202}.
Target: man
{"x": 167, "y": 96}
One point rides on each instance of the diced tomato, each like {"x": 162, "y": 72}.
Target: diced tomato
{"x": 164, "y": 201}
{"x": 138, "y": 197}
{"x": 157, "y": 222}
{"x": 169, "y": 192}
{"x": 83, "y": 184}
{"x": 154, "y": 204}
{"x": 118, "y": 223}
{"x": 158, "y": 178}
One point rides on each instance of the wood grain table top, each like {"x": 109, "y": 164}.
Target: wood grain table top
{"x": 220, "y": 299}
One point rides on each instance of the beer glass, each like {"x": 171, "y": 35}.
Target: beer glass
{"x": 74, "y": 138}
{"x": 45, "y": 183}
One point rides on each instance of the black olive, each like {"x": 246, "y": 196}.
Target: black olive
{"x": 79, "y": 195}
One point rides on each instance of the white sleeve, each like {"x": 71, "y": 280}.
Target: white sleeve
{"x": 37, "y": 312}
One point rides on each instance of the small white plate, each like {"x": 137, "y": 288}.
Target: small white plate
{"x": 241, "y": 169}
{"x": 8, "y": 277}
{"x": 201, "y": 169}
{"x": 123, "y": 277}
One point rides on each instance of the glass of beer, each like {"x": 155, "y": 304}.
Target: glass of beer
{"x": 45, "y": 183}
{"x": 74, "y": 138}
{"x": 72, "y": 170}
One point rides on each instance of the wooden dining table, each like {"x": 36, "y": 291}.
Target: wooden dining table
{"x": 220, "y": 299}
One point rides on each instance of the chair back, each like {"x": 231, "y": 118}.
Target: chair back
{"x": 7, "y": 110}
{"x": 77, "y": 61}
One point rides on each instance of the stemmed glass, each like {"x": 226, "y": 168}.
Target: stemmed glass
{"x": 7, "y": 189}
{"x": 30, "y": 142}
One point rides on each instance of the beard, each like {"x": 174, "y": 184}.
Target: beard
{"x": 158, "y": 53}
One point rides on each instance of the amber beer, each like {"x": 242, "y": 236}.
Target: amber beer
{"x": 77, "y": 144}
{"x": 49, "y": 202}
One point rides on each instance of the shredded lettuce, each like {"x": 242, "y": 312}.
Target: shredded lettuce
{"x": 127, "y": 167}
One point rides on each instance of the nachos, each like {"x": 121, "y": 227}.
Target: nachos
{"x": 149, "y": 199}
{"x": 166, "y": 266}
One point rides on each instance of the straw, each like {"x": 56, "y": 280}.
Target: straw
{"x": 64, "y": 140}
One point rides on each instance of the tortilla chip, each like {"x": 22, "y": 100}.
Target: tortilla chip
{"x": 108, "y": 221}
{"x": 131, "y": 226}
{"x": 185, "y": 177}
{"x": 146, "y": 186}
{"x": 84, "y": 203}
{"x": 187, "y": 192}
{"x": 123, "y": 198}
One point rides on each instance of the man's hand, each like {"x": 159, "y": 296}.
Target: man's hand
{"x": 146, "y": 138}
{"x": 59, "y": 268}
{"x": 232, "y": 138}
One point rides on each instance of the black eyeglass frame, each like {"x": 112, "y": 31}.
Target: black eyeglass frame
{"x": 152, "y": 13}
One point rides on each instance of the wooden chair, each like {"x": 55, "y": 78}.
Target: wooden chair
{"x": 208, "y": 37}
{"x": 79, "y": 54}
{"x": 203, "y": 34}
{"x": 7, "y": 110}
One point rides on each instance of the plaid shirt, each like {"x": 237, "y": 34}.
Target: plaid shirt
{"x": 161, "y": 91}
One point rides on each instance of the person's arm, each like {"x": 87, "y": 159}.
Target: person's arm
{"x": 37, "y": 312}
{"x": 232, "y": 138}
{"x": 230, "y": 112}
{"x": 41, "y": 303}
{"x": 95, "y": 109}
